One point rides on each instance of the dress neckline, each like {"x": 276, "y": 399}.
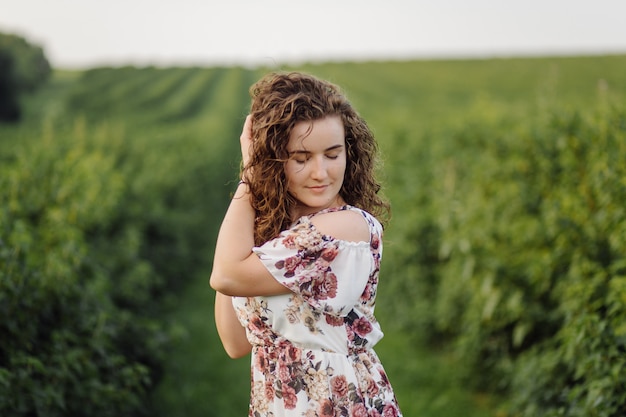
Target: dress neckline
{"x": 330, "y": 210}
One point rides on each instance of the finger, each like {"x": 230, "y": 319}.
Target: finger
{"x": 247, "y": 128}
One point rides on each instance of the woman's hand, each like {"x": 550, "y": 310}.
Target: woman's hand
{"x": 246, "y": 140}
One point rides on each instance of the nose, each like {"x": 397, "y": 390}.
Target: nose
{"x": 319, "y": 170}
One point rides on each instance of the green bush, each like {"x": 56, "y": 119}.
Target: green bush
{"x": 32, "y": 68}
{"x": 23, "y": 68}
{"x": 580, "y": 177}
{"x": 103, "y": 220}
{"x": 523, "y": 234}
{"x": 64, "y": 339}
{"x": 9, "y": 102}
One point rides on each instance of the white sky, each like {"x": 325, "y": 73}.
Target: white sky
{"x": 85, "y": 33}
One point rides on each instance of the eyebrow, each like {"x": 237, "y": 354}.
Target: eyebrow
{"x": 332, "y": 148}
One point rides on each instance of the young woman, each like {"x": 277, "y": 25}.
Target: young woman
{"x": 298, "y": 254}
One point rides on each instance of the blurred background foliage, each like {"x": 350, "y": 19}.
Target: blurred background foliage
{"x": 503, "y": 289}
{"x": 23, "y": 68}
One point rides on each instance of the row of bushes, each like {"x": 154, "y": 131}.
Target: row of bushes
{"x": 67, "y": 344}
{"x": 102, "y": 221}
{"x": 513, "y": 253}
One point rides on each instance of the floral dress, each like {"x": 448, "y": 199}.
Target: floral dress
{"x": 312, "y": 348}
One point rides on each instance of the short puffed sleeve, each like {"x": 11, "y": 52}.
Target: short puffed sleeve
{"x": 329, "y": 274}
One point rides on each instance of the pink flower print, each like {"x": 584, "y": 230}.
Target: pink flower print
{"x": 383, "y": 377}
{"x": 272, "y": 355}
{"x": 290, "y": 265}
{"x": 270, "y": 392}
{"x": 290, "y": 241}
{"x": 359, "y": 410}
{"x": 294, "y": 354}
{"x": 362, "y": 326}
{"x": 373, "y": 413}
{"x": 367, "y": 292}
{"x": 261, "y": 361}
{"x": 256, "y": 325}
{"x": 372, "y": 387}
{"x": 327, "y": 409}
{"x": 326, "y": 287}
{"x": 390, "y": 410}
{"x": 289, "y": 397}
{"x": 328, "y": 254}
{"x": 350, "y": 333}
{"x": 334, "y": 321}
{"x": 375, "y": 242}
{"x": 283, "y": 372}
{"x": 339, "y": 385}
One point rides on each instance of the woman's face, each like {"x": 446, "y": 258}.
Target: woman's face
{"x": 317, "y": 164}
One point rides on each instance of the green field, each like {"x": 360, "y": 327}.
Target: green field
{"x": 503, "y": 287}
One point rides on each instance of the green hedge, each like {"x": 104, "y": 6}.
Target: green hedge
{"x": 103, "y": 219}
{"x": 516, "y": 254}
{"x": 64, "y": 340}
{"x": 95, "y": 241}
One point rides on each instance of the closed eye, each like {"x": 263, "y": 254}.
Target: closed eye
{"x": 301, "y": 158}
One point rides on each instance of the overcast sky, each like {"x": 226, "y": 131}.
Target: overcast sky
{"x": 85, "y": 33}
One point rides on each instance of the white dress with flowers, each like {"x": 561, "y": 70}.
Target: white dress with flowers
{"x": 312, "y": 348}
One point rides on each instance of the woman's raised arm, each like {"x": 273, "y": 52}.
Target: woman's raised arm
{"x": 236, "y": 270}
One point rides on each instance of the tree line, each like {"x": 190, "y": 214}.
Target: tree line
{"x": 23, "y": 68}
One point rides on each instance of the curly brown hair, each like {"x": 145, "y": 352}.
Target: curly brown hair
{"x": 279, "y": 101}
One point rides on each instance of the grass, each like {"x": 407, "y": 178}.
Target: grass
{"x": 200, "y": 379}
{"x": 426, "y": 382}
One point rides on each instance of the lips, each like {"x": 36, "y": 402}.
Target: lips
{"x": 318, "y": 188}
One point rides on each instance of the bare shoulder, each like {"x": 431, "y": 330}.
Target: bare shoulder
{"x": 349, "y": 225}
